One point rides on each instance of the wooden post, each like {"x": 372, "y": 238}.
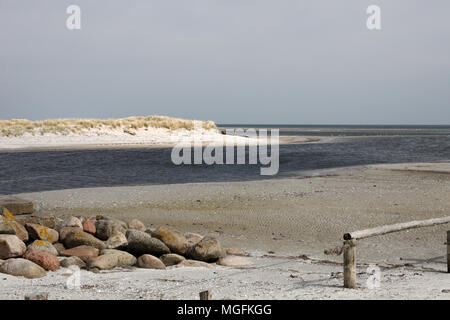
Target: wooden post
{"x": 206, "y": 295}
{"x": 349, "y": 264}
{"x": 448, "y": 251}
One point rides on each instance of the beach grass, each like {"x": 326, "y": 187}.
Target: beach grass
{"x": 20, "y": 127}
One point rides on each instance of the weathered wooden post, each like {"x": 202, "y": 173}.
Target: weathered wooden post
{"x": 448, "y": 251}
{"x": 349, "y": 264}
{"x": 206, "y": 295}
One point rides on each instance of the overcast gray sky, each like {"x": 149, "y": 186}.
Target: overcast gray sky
{"x": 231, "y": 61}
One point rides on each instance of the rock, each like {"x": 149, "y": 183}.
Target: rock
{"x": 89, "y": 227}
{"x": 79, "y": 238}
{"x": 135, "y": 224}
{"x": 20, "y": 231}
{"x": 194, "y": 263}
{"x": 83, "y": 252}
{"x": 22, "y": 267}
{"x": 49, "y": 222}
{"x": 38, "y": 232}
{"x": 5, "y": 226}
{"x": 17, "y": 205}
{"x": 43, "y": 245}
{"x": 1, "y": 261}
{"x": 125, "y": 259}
{"x": 43, "y": 258}
{"x": 122, "y": 223}
{"x": 236, "y": 252}
{"x": 193, "y": 238}
{"x": 140, "y": 243}
{"x": 150, "y": 262}
{"x": 173, "y": 239}
{"x": 59, "y": 247}
{"x": 8, "y": 225}
{"x": 234, "y": 261}
{"x": 11, "y": 246}
{"x": 104, "y": 262}
{"x": 72, "y": 261}
{"x": 106, "y": 228}
{"x": 208, "y": 250}
{"x": 117, "y": 241}
{"x": 171, "y": 259}
{"x": 63, "y": 232}
{"x": 72, "y": 222}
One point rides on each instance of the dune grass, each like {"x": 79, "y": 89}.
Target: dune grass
{"x": 19, "y": 127}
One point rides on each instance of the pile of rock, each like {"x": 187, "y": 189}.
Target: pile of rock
{"x": 31, "y": 246}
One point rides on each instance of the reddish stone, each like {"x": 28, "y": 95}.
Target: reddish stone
{"x": 82, "y": 252}
{"x": 42, "y": 258}
{"x": 89, "y": 227}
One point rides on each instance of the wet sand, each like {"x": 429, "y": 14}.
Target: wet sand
{"x": 287, "y": 216}
{"x": 284, "y": 224}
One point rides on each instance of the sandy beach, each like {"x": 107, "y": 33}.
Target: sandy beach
{"x": 287, "y": 221}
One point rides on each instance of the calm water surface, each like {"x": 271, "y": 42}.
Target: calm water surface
{"x": 352, "y": 145}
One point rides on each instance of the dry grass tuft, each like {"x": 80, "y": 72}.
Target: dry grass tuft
{"x": 19, "y": 127}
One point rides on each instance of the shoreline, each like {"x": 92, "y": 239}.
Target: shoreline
{"x": 285, "y": 225}
{"x": 164, "y": 142}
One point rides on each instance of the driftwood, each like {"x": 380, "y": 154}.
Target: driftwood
{"x": 394, "y": 227}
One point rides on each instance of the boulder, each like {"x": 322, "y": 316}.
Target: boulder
{"x": 103, "y": 262}
{"x": 72, "y": 261}
{"x": 234, "y": 261}
{"x": 89, "y": 227}
{"x": 79, "y": 238}
{"x": 171, "y": 259}
{"x": 17, "y": 205}
{"x": 135, "y": 224}
{"x": 63, "y": 232}
{"x": 11, "y": 246}
{"x": 122, "y": 223}
{"x": 20, "y": 231}
{"x": 83, "y": 252}
{"x": 208, "y": 250}
{"x": 150, "y": 262}
{"x": 49, "y": 222}
{"x": 125, "y": 259}
{"x": 43, "y": 258}
{"x": 194, "y": 263}
{"x": 38, "y": 232}
{"x": 193, "y": 238}
{"x": 117, "y": 241}
{"x": 106, "y": 228}
{"x": 72, "y": 222}
{"x": 5, "y": 226}
{"x": 140, "y": 243}
{"x": 43, "y": 245}
{"x": 236, "y": 252}
{"x": 59, "y": 247}
{"x": 173, "y": 239}
{"x": 22, "y": 267}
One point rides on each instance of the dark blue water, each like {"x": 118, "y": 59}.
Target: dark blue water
{"x": 353, "y": 145}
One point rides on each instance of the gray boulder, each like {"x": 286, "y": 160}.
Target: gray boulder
{"x": 208, "y": 250}
{"x": 140, "y": 243}
{"x": 22, "y": 268}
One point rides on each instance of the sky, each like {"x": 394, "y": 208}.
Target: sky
{"x": 230, "y": 61}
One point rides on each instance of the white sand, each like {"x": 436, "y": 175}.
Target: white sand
{"x": 269, "y": 278}
{"x": 151, "y": 137}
